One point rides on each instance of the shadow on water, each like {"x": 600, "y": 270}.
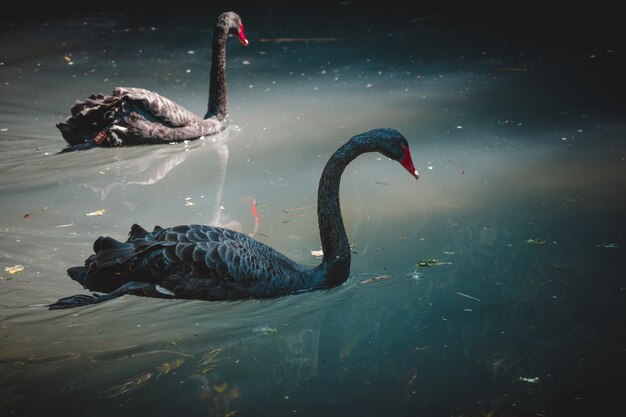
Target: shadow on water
{"x": 491, "y": 287}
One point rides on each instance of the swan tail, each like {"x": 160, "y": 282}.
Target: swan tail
{"x": 111, "y": 252}
{"x": 78, "y": 274}
{"x": 136, "y": 232}
{"x": 89, "y": 120}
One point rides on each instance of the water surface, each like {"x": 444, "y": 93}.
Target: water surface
{"x": 521, "y": 200}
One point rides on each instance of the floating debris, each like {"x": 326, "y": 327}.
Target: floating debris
{"x": 59, "y": 226}
{"x": 427, "y": 263}
{"x": 167, "y": 367}
{"x": 208, "y": 361}
{"x": 265, "y": 330}
{"x": 41, "y": 210}
{"x": 188, "y": 202}
{"x": 467, "y": 296}
{"x": 419, "y": 348}
{"x": 96, "y": 213}
{"x": 422, "y": 18}
{"x": 529, "y": 380}
{"x": 294, "y": 209}
{"x": 378, "y": 278}
{"x": 220, "y": 388}
{"x": 608, "y": 245}
{"x": 130, "y": 385}
{"x": 317, "y": 253}
{"x": 14, "y": 269}
{"x": 536, "y": 242}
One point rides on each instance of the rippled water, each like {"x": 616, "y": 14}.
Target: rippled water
{"x": 521, "y": 202}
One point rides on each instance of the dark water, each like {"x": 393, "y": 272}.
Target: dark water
{"x": 521, "y": 200}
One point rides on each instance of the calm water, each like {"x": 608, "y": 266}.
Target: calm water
{"x": 521, "y": 201}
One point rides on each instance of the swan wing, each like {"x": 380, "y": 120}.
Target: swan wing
{"x": 206, "y": 262}
{"x": 159, "y": 107}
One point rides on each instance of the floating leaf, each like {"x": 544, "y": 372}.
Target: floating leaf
{"x": 536, "y": 242}
{"x": 208, "y": 361}
{"x": 96, "y": 213}
{"x": 13, "y": 269}
{"x": 167, "y": 367}
{"x": 220, "y": 388}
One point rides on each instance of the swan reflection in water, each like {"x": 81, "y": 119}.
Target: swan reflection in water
{"x": 154, "y": 166}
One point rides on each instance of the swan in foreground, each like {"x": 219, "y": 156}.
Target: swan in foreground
{"x": 135, "y": 116}
{"x": 213, "y": 263}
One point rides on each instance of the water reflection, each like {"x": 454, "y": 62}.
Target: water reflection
{"x": 153, "y": 166}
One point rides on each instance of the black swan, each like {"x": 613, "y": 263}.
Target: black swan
{"x": 212, "y": 263}
{"x": 135, "y": 116}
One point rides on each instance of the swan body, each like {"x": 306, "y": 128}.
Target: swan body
{"x": 136, "y": 116}
{"x": 213, "y": 263}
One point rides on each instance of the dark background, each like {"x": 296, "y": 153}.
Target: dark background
{"x": 568, "y": 22}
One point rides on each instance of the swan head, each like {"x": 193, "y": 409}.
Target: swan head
{"x": 232, "y": 21}
{"x": 393, "y": 145}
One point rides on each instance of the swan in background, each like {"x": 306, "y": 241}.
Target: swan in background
{"x": 135, "y": 116}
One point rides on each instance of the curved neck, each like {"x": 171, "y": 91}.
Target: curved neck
{"x": 335, "y": 265}
{"x": 218, "y": 105}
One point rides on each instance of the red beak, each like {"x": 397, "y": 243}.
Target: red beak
{"x": 407, "y": 163}
{"x": 242, "y": 36}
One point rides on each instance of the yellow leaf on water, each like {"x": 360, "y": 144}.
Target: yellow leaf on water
{"x": 96, "y": 213}
{"x": 13, "y": 269}
{"x": 220, "y": 388}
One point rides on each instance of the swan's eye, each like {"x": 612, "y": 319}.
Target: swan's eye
{"x": 403, "y": 146}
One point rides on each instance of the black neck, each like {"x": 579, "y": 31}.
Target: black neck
{"x": 218, "y": 104}
{"x": 336, "y": 262}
